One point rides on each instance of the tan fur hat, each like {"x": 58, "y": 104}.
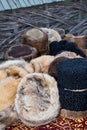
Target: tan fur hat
{"x": 80, "y": 41}
{"x": 11, "y": 73}
{"x": 37, "y": 99}
{"x": 68, "y": 54}
{"x": 40, "y": 64}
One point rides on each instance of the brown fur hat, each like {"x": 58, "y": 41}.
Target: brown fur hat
{"x": 52, "y": 68}
{"x": 20, "y": 52}
{"x": 60, "y": 57}
{"x": 36, "y": 38}
{"x": 37, "y": 99}
{"x": 40, "y": 64}
{"x": 80, "y": 41}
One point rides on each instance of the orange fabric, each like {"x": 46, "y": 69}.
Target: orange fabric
{"x": 60, "y": 123}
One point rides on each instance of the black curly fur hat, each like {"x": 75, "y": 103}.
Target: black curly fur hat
{"x": 56, "y": 47}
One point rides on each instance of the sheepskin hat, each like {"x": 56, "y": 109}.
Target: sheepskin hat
{"x": 52, "y": 68}
{"x": 11, "y": 73}
{"x": 37, "y": 99}
{"x": 60, "y": 57}
{"x": 21, "y": 51}
{"x": 53, "y": 35}
{"x": 56, "y": 47}
{"x": 68, "y": 54}
{"x": 61, "y": 31}
{"x": 72, "y": 84}
{"x": 80, "y": 41}
{"x": 37, "y": 38}
{"x": 8, "y": 88}
{"x": 40, "y": 64}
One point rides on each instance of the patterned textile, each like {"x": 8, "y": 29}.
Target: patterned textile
{"x": 60, "y": 123}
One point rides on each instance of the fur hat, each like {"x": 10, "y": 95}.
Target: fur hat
{"x": 40, "y": 64}
{"x": 72, "y": 84}
{"x": 37, "y": 99}
{"x": 11, "y": 73}
{"x": 56, "y": 47}
{"x": 13, "y": 68}
{"x": 21, "y": 51}
{"x": 68, "y": 54}
{"x": 52, "y": 68}
{"x": 37, "y": 38}
{"x": 53, "y": 35}
{"x": 61, "y": 31}
{"x": 7, "y": 117}
{"x": 80, "y": 41}
{"x": 8, "y": 88}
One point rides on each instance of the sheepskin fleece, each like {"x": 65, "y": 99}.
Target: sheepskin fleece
{"x": 53, "y": 35}
{"x": 8, "y": 88}
{"x": 80, "y": 41}
{"x": 3, "y": 74}
{"x": 40, "y": 64}
{"x": 11, "y": 73}
{"x": 7, "y": 117}
{"x": 37, "y": 99}
{"x": 52, "y": 68}
{"x": 68, "y": 54}
{"x": 63, "y": 45}
{"x": 73, "y": 114}
{"x": 13, "y": 68}
{"x": 8, "y": 63}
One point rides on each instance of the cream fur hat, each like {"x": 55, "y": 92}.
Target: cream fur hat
{"x": 37, "y": 99}
{"x": 40, "y": 64}
{"x": 53, "y": 35}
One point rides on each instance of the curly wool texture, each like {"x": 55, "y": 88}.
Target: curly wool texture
{"x": 72, "y": 83}
{"x": 53, "y": 35}
{"x": 72, "y": 73}
{"x": 63, "y": 45}
{"x": 60, "y": 57}
{"x": 52, "y": 68}
{"x": 37, "y": 99}
{"x": 73, "y": 100}
{"x": 40, "y": 64}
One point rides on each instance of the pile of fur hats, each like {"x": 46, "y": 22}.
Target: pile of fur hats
{"x": 80, "y": 41}
{"x": 36, "y": 92}
{"x": 40, "y": 38}
{"x": 25, "y": 92}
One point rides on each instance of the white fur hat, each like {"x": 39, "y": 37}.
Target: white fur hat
{"x": 37, "y": 99}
